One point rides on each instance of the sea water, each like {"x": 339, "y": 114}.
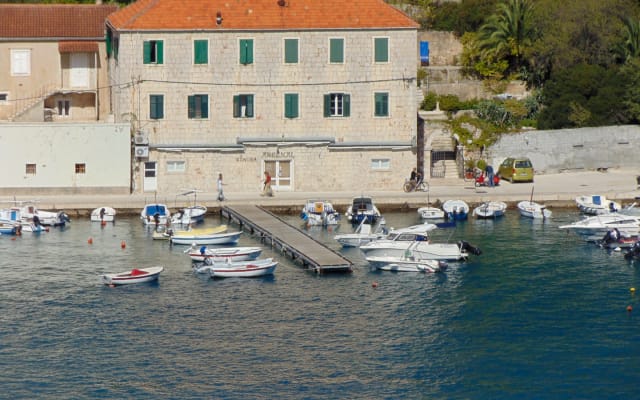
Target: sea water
{"x": 539, "y": 315}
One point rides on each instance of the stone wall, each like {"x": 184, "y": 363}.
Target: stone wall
{"x": 572, "y": 149}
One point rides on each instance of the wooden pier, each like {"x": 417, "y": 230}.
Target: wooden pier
{"x": 288, "y": 239}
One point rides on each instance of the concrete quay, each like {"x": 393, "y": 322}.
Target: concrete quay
{"x": 554, "y": 190}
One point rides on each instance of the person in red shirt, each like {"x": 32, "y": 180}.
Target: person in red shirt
{"x": 266, "y": 190}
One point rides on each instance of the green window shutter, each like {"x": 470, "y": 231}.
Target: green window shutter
{"x": 327, "y": 105}
{"x": 200, "y": 51}
{"x": 291, "y": 51}
{"x": 192, "y": 107}
{"x": 249, "y": 106}
{"x": 159, "y": 52}
{"x": 382, "y": 105}
{"x": 336, "y": 50}
{"x": 346, "y": 105}
{"x": 146, "y": 52}
{"x": 204, "y": 106}
{"x": 291, "y": 105}
{"x": 246, "y": 51}
{"x": 381, "y": 50}
{"x": 107, "y": 42}
{"x": 236, "y": 106}
{"x": 156, "y": 106}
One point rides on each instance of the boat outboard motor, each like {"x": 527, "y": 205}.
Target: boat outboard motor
{"x": 466, "y": 246}
{"x": 36, "y": 220}
{"x": 634, "y": 252}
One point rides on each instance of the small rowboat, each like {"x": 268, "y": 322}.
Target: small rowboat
{"x": 223, "y": 253}
{"x": 136, "y": 275}
{"x": 206, "y": 238}
{"x": 240, "y": 269}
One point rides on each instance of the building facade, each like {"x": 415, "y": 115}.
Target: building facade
{"x": 320, "y": 94}
{"x": 53, "y": 63}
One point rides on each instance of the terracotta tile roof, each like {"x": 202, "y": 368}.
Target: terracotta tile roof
{"x": 78, "y": 47}
{"x": 53, "y": 21}
{"x": 259, "y": 14}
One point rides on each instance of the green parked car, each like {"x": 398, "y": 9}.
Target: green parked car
{"x": 516, "y": 170}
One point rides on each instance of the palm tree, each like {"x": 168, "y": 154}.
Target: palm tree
{"x": 509, "y": 32}
{"x": 630, "y": 48}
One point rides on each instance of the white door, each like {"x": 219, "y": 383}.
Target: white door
{"x": 150, "y": 183}
{"x": 79, "y": 74}
{"x": 281, "y": 173}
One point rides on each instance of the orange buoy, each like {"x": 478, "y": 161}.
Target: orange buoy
{"x": 90, "y": 241}
{"x": 374, "y": 284}
{"x": 629, "y": 308}
{"x": 123, "y": 244}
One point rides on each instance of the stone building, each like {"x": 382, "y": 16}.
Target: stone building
{"x": 53, "y": 62}
{"x": 322, "y": 94}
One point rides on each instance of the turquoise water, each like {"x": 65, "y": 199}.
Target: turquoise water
{"x": 539, "y": 314}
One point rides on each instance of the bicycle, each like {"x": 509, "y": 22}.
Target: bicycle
{"x": 411, "y": 186}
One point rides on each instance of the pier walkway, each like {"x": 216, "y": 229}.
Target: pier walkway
{"x": 286, "y": 238}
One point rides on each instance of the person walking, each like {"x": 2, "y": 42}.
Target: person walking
{"x": 220, "y": 192}
{"x": 266, "y": 190}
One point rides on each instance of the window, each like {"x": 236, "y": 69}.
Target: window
{"x": 175, "y": 166}
{"x": 153, "y": 52}
{"x": 380, "y": 163}
{"x": 30, "y": 169}
{"x": 337, "y": 105}
{"x": 156, "y": 106}
{"x": 381, "y": 104}
{"x": 291, "y": 105}
{"x": 198, "y": 106}
{"x": 336, "y": 50}
{"x": 81, "y": 168}
{"x": 243, "y": 106}
{"x": 381, "y": 50}
{"x": 246, "y": 51}
{"x": 291, "y": 51}
{"x": 4, "y": 97}
{"x": 200, "y": 51}
{"x": 20, "y": 62}
{"x": 63, "y": 108}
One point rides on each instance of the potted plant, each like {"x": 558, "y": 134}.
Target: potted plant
{"x": 469, "y": 165}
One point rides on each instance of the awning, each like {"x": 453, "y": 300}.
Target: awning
{"x": 78, "y": 47}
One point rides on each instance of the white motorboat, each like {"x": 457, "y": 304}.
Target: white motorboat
{"x": 319, "y": 213}
{"x": 490, "y": 209}
{"x": 418, "y": 245}
{"x": 430, "y": 213}
{"x": 363, "y": 208}
{"x": 155, "y": 214}
{"x": 410, "y": 234}
{"x": 456, "y": 210}
{"x": 596, "y": 205}
{"x": 136, "y": 275}
{"x": 192, "y": 214}
{"x": 595, "y": 227}
{"x": 27, "y": 212}
{"x": 239, "y": 269}
{"x": 189, "y": 215}
{"x": 406, "y": 264}
{"x": 223, "y": 253}
{"x": 362, "y": 235}
{"x": 531, "y": 209}
{"x": 103, "y": 214}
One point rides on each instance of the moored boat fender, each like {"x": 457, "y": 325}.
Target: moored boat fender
{"x": 466, "y": 246}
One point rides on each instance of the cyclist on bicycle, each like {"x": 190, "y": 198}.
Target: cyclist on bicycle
{"x": 415, "y": 179}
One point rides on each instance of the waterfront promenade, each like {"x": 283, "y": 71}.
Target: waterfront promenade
{"x": 555, "y": 190}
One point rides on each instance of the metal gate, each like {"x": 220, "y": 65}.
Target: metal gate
{"x": 438, "y": 158}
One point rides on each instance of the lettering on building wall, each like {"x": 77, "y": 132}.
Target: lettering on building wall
{"x": 246, "y": 159}
{"x": 278, "y": 155}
